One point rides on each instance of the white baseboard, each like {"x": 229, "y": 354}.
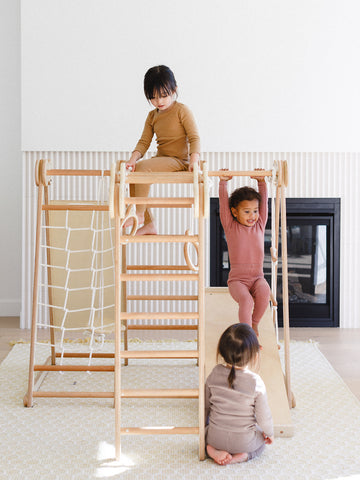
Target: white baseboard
{"x": 10, "y": 308}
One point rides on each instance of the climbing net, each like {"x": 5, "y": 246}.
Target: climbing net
{"x": 77, "y": 280}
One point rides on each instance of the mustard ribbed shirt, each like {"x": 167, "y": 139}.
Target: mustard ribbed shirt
{"x": 176, "y": 132}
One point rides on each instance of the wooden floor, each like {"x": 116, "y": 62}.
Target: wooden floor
{"x": 340, "y": 346}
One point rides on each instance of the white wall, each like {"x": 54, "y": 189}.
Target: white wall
{"x": 10, "y": 158}
{"x": 279, "y": 75}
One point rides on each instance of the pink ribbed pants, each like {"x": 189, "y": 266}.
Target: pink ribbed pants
{"x": 253, "y": 298}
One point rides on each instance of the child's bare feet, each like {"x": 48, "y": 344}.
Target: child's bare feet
{"x": 256, "y": 330}
{"x": 147, "y": 229}
{"x": 221, "y": 457}
{"x": 239, "y": 458}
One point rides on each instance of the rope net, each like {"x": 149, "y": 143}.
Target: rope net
{"x": 77, "y": 281}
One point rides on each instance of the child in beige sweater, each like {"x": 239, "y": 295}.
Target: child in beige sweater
{"x": 236, "y": 406}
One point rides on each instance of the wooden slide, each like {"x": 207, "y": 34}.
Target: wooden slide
{"x": 220, "y": 312}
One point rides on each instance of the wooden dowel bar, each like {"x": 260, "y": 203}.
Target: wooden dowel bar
{"x": 157, "y": 267}
{"x": 153, "y": 202}
{"x": 158, "y": 277}
{"x": 163, "y": 297}
{"x": 159, "y": 315}
{"x": 125, "y": 393}
{"x": 158, "y": 177}
{"x": 160, "y": 393}
{"x": 78, "y": 173}
{"x": 73, "y": 368}
{"x": 162, "y": 327}
{"x": 48, "y": 394}
{"x": 241, "y": 173}
{"x": 160, "y": 431}
{"x": 77, "y": 208}
{"x": 160, "y": 354}
{"x": 85, "y": 355}
{"x": 159, "y": 238}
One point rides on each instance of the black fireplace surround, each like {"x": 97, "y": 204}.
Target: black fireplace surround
{"x": 313, "y": 241}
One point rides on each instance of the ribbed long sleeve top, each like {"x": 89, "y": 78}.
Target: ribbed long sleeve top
{"x": 245, "y": 244}
{"x": 176, "y": 132}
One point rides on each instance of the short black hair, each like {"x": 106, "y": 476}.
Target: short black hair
{"x": 159, "y": 79}
{"x": 243, "y": 193}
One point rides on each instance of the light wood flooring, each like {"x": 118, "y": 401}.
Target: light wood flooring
{"x": 341, "y": 347}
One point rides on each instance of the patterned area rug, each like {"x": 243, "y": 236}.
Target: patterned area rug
{"x": 74, "y": 438}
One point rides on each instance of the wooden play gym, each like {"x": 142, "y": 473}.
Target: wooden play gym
{"x": 76, "y": 300}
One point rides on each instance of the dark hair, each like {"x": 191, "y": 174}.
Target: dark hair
{"x": 243, "y": 193}
{"x": 238, "y": 346}
{"x": 158, "y": 80}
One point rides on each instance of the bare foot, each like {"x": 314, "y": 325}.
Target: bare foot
{"x": 256, "y": 330}
{"x": 239, "y": 458}
{"x": 148, "y": 229}
{"x": 221, "y": 457}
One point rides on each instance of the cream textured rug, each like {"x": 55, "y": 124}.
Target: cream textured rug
{"x": 74, "y": 438}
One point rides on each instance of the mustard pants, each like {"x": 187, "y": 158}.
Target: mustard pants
{"x": 154, "y": 164}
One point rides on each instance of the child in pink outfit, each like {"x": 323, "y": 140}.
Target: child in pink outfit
{"x": 243, "y": 218}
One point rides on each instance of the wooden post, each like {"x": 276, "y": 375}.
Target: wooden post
{"x": 28, "y": 399}
{"x": 201, "y": 323}
{"x": 117, "y": 374}
{"x": 285, "y": 291}
{"x": 49, "y": 277}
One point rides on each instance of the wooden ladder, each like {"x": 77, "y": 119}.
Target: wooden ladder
{"x": 120, "y": 207}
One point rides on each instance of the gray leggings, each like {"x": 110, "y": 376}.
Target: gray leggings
{"x": 229, "y": 441}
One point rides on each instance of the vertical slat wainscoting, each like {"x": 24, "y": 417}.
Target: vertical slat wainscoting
{"x": 311, "y": 175}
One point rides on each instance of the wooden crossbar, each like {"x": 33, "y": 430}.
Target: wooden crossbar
{"x": 163, "y": 297}
{"x": 157, "y": 267}
{"x": 241, "y": 173}
{"x": 77, "y": 173}
{"x": 158, "y": 277}
{"x": 160, "y": 431}
{"x": 160, "y": 354}
{"x": 159, "y": 239}
{"x": 162, "y": 327}
{"x": 48, "y": 394}
{"x": 159, "y": 316}
{"x": 161, "y": 393}
{"x": 76, "y": 207}
{"x": 153, "y": 202}
{"x": 125, "y": 393}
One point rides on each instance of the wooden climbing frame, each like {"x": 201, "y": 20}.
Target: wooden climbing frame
{"x": 121, "y": 208}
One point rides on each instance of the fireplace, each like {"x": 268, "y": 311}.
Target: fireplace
{"x": 313, "y": 238}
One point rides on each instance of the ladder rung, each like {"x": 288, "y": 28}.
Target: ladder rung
{"x": 73, "y": 368}
{"x": 131, "y": 277}
{"x": 47, "y": 394}
{"x": 160, "y": 393}
{"x": 159, "y": 315}
{"x": 159, "y": 238}
{"x": 162, "y": 327}
{"x": 159, "y": 177}
{"x": 160, "y": 431}
{"x": 163, "y": 297}
{"x": 165, "y": 202}
{"x": 159, "y": 354}
{"x": 157, "y": 267}
{"x": 77, "y": 207}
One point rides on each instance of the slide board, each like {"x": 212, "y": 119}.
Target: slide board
{"x": 220, "y": 312}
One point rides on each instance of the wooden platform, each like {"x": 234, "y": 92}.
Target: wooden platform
{"x": 221, "y": 311}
